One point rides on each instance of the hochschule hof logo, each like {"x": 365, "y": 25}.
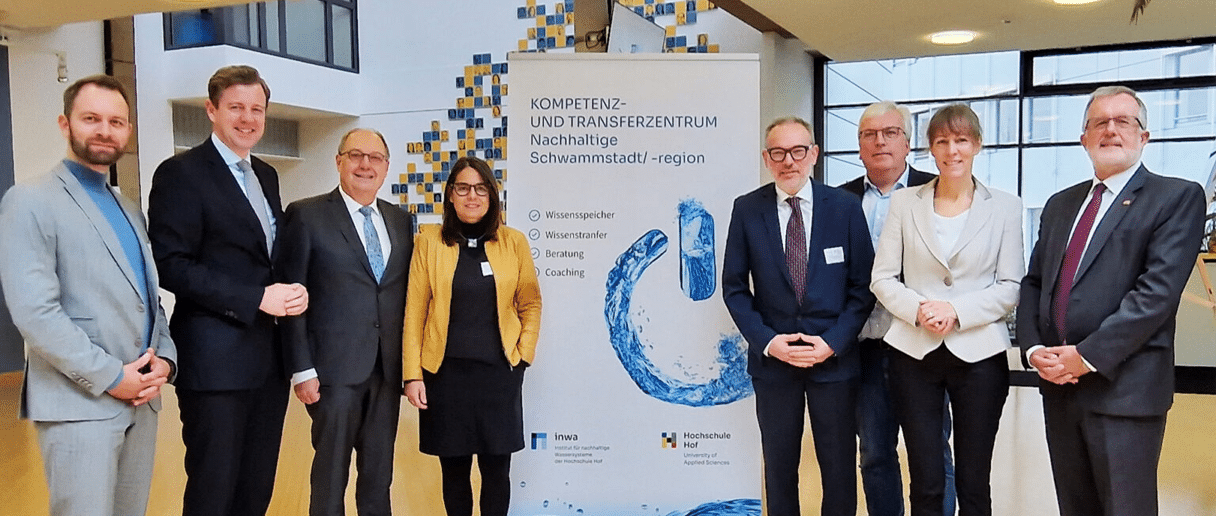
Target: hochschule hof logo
{"x": 669, "y": 440}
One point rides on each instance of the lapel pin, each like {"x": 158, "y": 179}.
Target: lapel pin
{"x": 1127, "y": 202}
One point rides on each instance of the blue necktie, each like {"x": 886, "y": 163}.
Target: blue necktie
{"x": 257, "y": 200}
{"x": 375, "y": 257}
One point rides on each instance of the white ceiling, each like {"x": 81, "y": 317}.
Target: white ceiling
{"x": 843, "y": 30}
{"x": 38, "y": 14}
{"x": 855, "y": 30}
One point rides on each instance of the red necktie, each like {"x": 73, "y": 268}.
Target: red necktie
{"x": 795, "y": 248}
{"x": 1072, "y": 260}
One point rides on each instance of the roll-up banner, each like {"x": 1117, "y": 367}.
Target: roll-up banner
{"x": 623, "y": 169}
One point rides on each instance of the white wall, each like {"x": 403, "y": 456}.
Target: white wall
{"x": 36, "y": 96}
{"x": 786, "y": 78}
{"x": 407, "y": 78}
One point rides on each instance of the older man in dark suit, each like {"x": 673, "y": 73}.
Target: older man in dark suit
{"x": 1098, "y": 309}
{"x": 795, "y": 279}
{"x": 352, "y": 251}
{"x": 213, "y": 214}
{"x": 883, "y": 134}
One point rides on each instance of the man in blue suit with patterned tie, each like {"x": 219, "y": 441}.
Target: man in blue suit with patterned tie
{"x": 352, "y": 251}
{"x": 795, "y": 279}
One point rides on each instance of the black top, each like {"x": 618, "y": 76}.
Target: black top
{"x": 473, "y": 325}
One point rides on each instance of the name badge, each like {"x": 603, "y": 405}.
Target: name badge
{"x": 486, "y": 270}
{"x": 833, "y": 255}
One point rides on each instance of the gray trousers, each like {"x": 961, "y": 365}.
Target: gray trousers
{"x": 99, "y": 468}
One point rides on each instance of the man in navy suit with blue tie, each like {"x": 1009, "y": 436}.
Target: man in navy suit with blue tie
{"x": 795, "y": 279}
{"x": 213, "y": 214}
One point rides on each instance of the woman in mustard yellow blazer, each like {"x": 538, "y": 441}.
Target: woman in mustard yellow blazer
{"x": 472, "y": 316}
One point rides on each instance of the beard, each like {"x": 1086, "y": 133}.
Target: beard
{"x": 103, "y": 157}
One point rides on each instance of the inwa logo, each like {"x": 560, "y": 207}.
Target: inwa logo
{"x": 540, "y": 441}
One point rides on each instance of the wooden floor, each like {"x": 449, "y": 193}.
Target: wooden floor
{"x": 1021, "y": 480}
{"x": 415, "y": 481}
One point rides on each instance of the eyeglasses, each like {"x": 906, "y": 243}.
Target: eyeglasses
{"x": 889, "y": 133}
{"x": 374, "y": 158}
{"x": 1122, "y": 123}
{"x": 797, "y": 152}
{"x": 462, "y": 189}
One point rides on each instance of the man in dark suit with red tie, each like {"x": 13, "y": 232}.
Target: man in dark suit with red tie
{"x": 213, "y": 214}
{"x": 795, "y": 279}
{"x": 1098, "y": 309}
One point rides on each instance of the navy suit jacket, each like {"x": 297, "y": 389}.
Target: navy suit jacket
{"x": 211, "y": 254}
{"x": 1124, "y": 301}
{"x": 915, "y": 178}
{"x": 352, "y": 319}
{"x": 759, "y": 293}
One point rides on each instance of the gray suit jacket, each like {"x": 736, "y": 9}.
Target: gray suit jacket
{"x": 351, "y": 319}
{"x": 73, "y": 296}
{"x": 1124, "y": 300}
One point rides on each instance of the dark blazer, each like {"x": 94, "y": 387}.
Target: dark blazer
{"x": 915, "y": 178}
{"x": 759, "y": 293}
{"x": 1125, "y": 298}
{"x": 351, "y": 319}
{"x": 211, "y": 254}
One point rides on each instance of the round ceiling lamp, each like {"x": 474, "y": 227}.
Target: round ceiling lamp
{"x": 952, "y": 37}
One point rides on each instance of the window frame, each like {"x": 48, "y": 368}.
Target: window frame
{"x": 222, "y": 18}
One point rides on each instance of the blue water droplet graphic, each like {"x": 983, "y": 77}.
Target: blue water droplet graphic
{"x": 732, "y": 384}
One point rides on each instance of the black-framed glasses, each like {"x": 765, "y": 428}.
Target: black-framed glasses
{"x": 463, "y": 189}
{"x": 356, "y": 155}
{"x": 798, "y": 152}
{"x": 889, "y": 133}
{"x": 1122, "y": 123}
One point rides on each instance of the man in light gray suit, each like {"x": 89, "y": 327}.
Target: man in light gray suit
{"x": 352, "y": 252}
{"x": 81, "y": 285}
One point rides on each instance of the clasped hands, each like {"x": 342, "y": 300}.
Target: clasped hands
{"x": 281, "y": 299}
{"x": 1059, "y": 365}
{"x": 799, "y": 350}
{"x": 142, "y": 379}
{"x": 937, "y": 316}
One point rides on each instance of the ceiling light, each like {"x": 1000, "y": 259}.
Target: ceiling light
{"x": 952, "y": 37}
{"x": 1074, "y": 2}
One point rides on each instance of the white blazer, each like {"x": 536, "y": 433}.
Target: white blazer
{"x": 980, "y": 277}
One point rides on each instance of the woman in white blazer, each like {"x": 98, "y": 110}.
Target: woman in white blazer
{"x": 948, "y": 266}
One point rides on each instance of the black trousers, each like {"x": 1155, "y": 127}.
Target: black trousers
{"x": 361, "y": 418}
{"x": 977, "y": 395}
{"x": 232, "y": 448}
{"x": 780, "y": 405}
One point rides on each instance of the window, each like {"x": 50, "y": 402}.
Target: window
{"x": 315, "y": 31}
{"x": 1031, "y": 106}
